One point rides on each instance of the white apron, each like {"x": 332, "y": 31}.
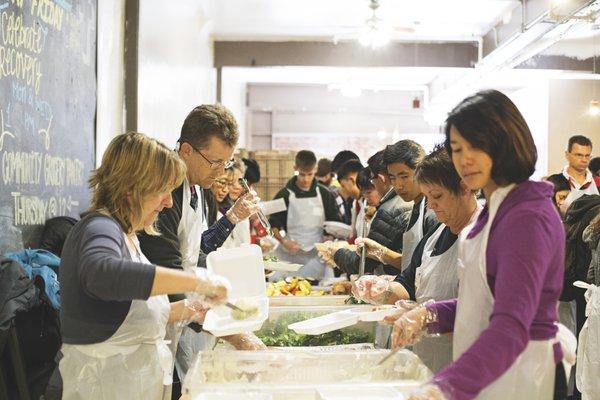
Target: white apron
{"x": 192, "y": 224}
{"x": 135, "y": 363}
{"x": 305, "y": 218}
{"x": 437, "y": 279}
{"x": 412, "y": 237}
{"x": 588, "y": 354}
{"x": 531, "y": 377}
{"x": 576, "y": 191}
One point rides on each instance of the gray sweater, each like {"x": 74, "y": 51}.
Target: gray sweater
{"x": 98, "y": 280}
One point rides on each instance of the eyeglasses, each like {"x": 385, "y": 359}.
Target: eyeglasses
{"x": 214, "y": 164}
{"x": 220, "y": 183}
{"x": 579, "y": 155}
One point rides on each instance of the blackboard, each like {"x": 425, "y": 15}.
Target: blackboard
{"x": 47, "y": 114}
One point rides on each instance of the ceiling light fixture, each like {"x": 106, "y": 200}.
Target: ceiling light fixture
{"x": 376, "y": 33}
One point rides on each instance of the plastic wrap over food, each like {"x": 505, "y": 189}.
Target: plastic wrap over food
{"x": 266, "y": 371}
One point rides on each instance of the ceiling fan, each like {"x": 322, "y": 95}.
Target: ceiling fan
{"x": 375, "y": 32}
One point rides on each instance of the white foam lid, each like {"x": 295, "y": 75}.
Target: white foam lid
{"x": 243, "y": 267}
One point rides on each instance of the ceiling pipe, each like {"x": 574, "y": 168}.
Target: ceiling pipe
{"x": 533, "y": 38}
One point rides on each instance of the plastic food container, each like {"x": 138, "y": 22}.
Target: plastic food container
{"x": 304, "y": 374}
{"x": 276, "y": 333}
{"x": 244, "y": 268}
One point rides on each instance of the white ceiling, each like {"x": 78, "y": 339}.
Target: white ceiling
{"x": 323, "y": 19}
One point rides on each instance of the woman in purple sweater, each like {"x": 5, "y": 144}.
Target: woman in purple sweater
{"x": 512, "y": 255}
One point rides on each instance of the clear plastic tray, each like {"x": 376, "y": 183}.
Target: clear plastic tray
{"x": 300, "y": 375}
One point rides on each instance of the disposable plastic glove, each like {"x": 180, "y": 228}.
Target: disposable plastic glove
{"x": 211, "y": 290}
{"x": 373, "y": 289}
{"x": 326, "y": 252}
{"x": 401, "y": 307}
{"x": 374, "y": 250}
{"x": 186, "y": 311}
{"x": 243, "y": 208}
{"x": 429, "y": 391}
{"x": 290, "y": 246}
{"x": 412, "y": 325}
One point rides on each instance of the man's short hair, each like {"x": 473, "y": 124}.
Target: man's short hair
{"x": 363, "y": 180}
{"x": 407, "y": 152}
{"x": 349, "y": 167}
{"x": 207, "y": 121}
{"x": 252, "y": 174}
{"x": 375, "y": 163}
{"x": 580, "y": 140}
{"x": 341, "y": 158}
{"x": 305, "y": 160}
{"x": 323, "y": 167}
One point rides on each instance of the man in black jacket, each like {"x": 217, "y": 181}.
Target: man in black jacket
{"x": 387, "y": 226}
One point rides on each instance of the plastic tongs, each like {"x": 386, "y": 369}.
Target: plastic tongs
{"x": 261, "y": 216}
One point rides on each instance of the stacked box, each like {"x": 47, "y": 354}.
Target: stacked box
{"x": 276, "y": 167}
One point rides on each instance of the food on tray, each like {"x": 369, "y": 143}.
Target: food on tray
{"x": 276, "y": 333}
{"x": 338, "y": 244}
{"x": 271, "y": 258}
{"x": 292, "y": 287}
{"x": 341, "y": 288}
{"x": 249, "y": 309}
{"x": 353, "y": 300}
{"x": 370, "y": 212}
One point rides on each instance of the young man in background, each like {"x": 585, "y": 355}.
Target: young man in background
{"x": 300, "y": 226}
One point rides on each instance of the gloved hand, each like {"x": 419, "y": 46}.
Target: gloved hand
{"x": 374, "y": 250}
{"x": 410, "y": 326}
{"x": 373, "y": 289}
{"x": 326, "y": 252}
{"x": 267, "y": 244}
{"x": 243, "y": 208}
{"x": 186, "y": 311}
{"x": 211, "y": 290}
{"x": 401, "y": 307}
{"x": 290, "y": 246}
{"x": 245, "y": 341}
{"x": 429, "y": 391}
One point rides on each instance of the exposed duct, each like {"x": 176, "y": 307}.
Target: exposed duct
{"x": 533, "y": 38}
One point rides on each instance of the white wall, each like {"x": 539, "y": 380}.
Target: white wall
{"x": 111, "y": 34}
{"x": 533, "y": 102}
{"x": 175, "y": 70}
{"x": 568, "y": 116}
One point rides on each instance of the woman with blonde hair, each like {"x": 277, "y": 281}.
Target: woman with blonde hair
{"x": 115, "y": 309}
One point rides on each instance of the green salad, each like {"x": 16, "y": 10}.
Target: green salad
{"x": 271, "y": 258}
{"x": 276, "y": 333}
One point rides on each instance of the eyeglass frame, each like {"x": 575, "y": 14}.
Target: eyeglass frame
{"x": 213, "y": 164}
{"x": 581, "y": 156}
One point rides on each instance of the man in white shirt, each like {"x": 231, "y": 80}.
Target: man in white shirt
{"x": 576, "y": 172}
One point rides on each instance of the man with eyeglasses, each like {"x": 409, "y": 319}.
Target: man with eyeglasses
{"x": 208, "y": 138}
{"x": 576, "y": 173}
